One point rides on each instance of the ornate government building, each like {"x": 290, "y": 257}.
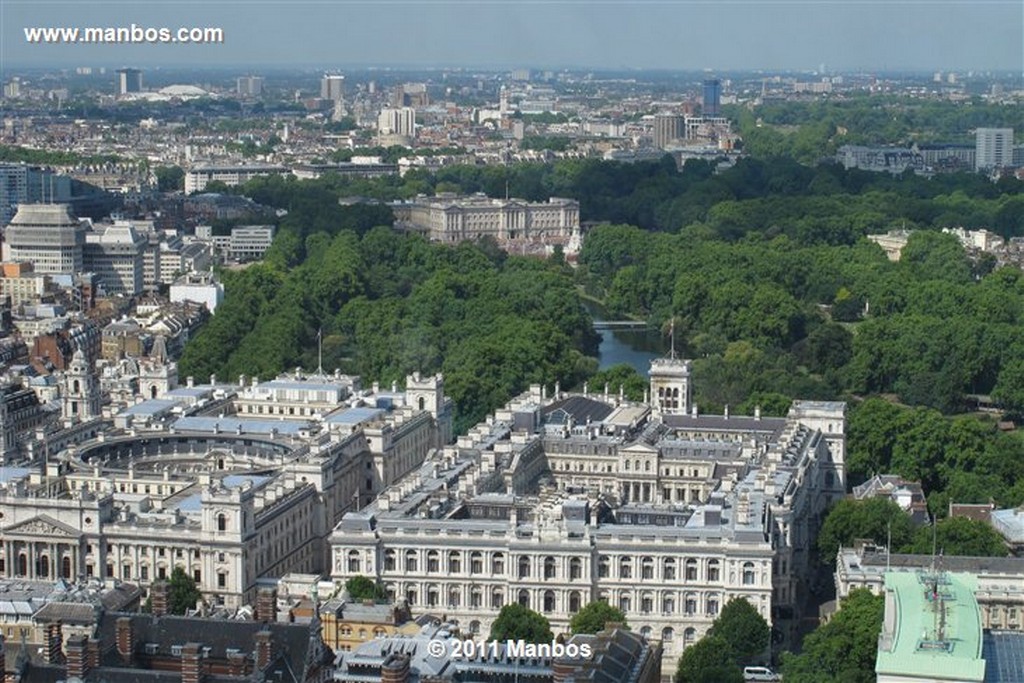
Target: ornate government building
{"x": 560, "y": 500}
{"x": 229, "y": 482}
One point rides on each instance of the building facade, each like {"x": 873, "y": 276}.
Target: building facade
{"x": 453, "y": 219}
{"x": 993, "y": 148}
{"x": 562, "y": 500}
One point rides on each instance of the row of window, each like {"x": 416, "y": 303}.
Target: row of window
{"x": 550, "y": 566}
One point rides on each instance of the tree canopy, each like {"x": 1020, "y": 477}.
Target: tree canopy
{"x": 594, "y": 616}
{"x": 364, "y": 588}
{"x": 743, "y": 627}
{"x": 709, "y": 660}
{"x": 844, "y": 649}
{"x": 182, "y": 593}
{"x": 516, "y": 622}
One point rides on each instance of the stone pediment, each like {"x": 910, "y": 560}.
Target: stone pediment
{"x": 639, "y": 448}
{"x": 42, "y": 526}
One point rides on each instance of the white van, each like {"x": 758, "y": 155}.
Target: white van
{"x": 760, "y": 673}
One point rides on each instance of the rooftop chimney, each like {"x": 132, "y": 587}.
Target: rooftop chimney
{"x": 395, "y": 668}
{"x": 158, "y": 597}
{"x": 78, "y": 661}
{"x": 191, "y": 663}
{"x": 263, "y": 647}
{"x": 266, "y": 604}
{"x": 125, "y": 639}
{"x": 54, "y": 643}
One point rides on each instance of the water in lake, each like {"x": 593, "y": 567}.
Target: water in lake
{"x": 637, "y": 347}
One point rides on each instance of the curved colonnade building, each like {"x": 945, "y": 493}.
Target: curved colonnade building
{"x": 230, "y": 483}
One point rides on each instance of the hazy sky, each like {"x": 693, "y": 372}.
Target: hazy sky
{"x": 669, "y": 34}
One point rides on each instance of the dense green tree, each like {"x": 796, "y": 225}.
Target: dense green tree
{"x": 170, "y": 178}
{"x": 876, "y": 519}
{"x": 364, "y": 588}
{"x": 182, "y": 593}
{"x": 516, "y": 622}
{"x": 959, "y": 536}
{"x": 743, "y": 628}
{"x": 594, "y": 616}
{"x": 844, "y": 649}
{"x": 633, "y": 384}
{"x": 709, "y": 660}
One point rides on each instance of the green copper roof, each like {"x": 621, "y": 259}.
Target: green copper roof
{"x": 916, "y": 642}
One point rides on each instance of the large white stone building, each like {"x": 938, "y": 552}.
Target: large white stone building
{"x": 450, "y": 218}
{"x": 186, "y": 480}
{"x": 558, "y": 501}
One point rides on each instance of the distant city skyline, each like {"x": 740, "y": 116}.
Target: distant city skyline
{"x": 647, "y": 34}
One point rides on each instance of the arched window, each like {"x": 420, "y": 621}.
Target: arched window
{"x": 625, "y": 603}
{"x": 76, "y": 387}
{"x": 476, "y": 562}
{"x": 575, "y": 568}
{"x": 65, "y": 567}
{"x": 454, "y": 561}
{"x": 524, "y": 598}
{"x": 689, "y": 636}
{"x": 454, "y": 597}
{"x": 549, "y": 567}
{"x": 625, "y": 465}
{"x": 714, "y": 574}
{"x": 476, "y": 597}
{"x": 748, "y": 574}
{"x": 669, "y": 569}
{"x": 497, "y": 599}
{"x": 410, "y": 561}
{"x": 549, "y": 601}
{"x": 524, "y": 567}
{"x": 474, "y": 627}
{"x": 691, "y": 569}
{"x": 645, "y": 632}
{"x": 498, "y": 564}
{"x": 152, "y": 391}
{"x": 667, "y": 634}
{"x": 43, "y": 567}
{"x": 433, "y": 563}
{"x": 691, "y": 603}
{"x": 668, "y": 605}
{"x": 389, "y": 560}
{"x": 647, "y": 568}
{"x": 574, "y": 602}
{"x": 353, "y": 561}
{"x": 432, "y": 596}
{"x": 647, "y": 465}
{"x": 603, "y": 567}
{"x": 625, "y": 568}
{"x": 646, "y": 603}
{"x": 222, "y": 522}
{"x": 22, "y": 564}
{"x": 712, "y": 607}
{"x": 410, "y": 597}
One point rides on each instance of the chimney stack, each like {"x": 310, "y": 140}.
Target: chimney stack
{"x": 263, "y": 645}
{"x": 92, "y": 654}
{"x": 395, "y": 669}
{"x": 191, "y": 663}
{"x": 158, "y": 597}
{"x": 78, "y": 660}
{"x": 125, "y": 640}
{"x": 54, "y": 643}
{"x": 266, "y": 604}
{"x": 236, "y": 664}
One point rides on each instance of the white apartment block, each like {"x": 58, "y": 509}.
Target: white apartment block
{"x": 116, "y": 254}
{"x": 400, "y": 121}
{"x": 993, "y": 148}
{"x": 46, "y": 235}
{"x": 558, "y": 501}
{"x": 197, "y": 177}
